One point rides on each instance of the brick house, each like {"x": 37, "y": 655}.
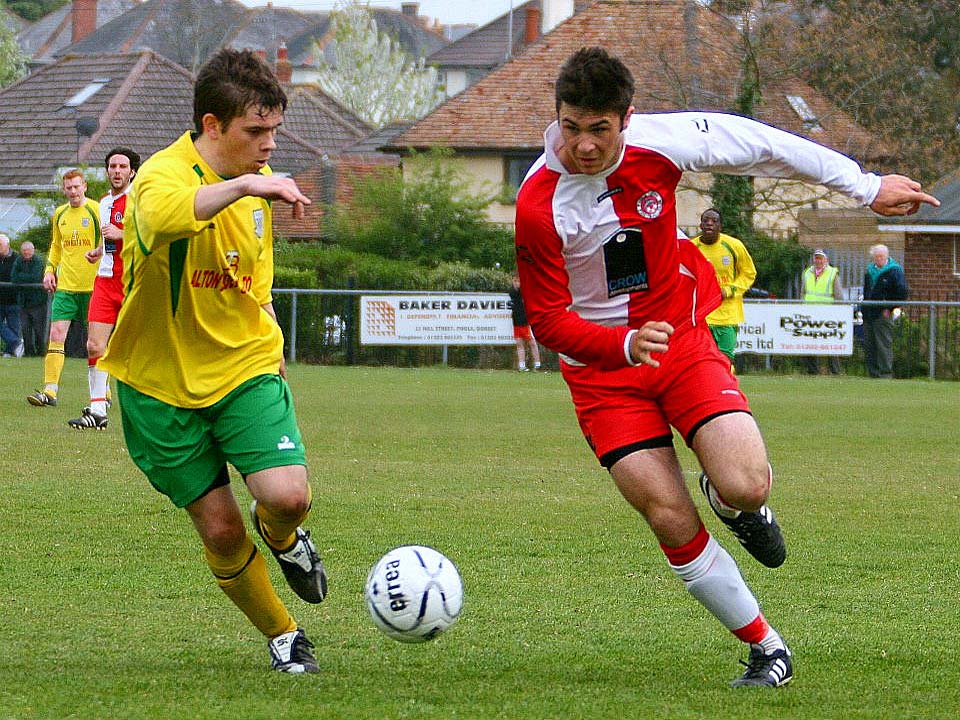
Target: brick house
{"x": 931, "y": 254}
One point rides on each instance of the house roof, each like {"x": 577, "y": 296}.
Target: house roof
{"x": 185, "y": 32}
{"x": 487, "y": 46}
{"x": 142, "y": 100}
{"x": 321, "y": 121}
{"x": 658, "y": 40}
{"x": 189, "y": 32}
{"x": 49, "y": 35}
{"x": 413, "y": 37}
{"x": 14, "y": 22}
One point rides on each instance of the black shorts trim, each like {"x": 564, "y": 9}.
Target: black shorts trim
{"x": 223, "y": 478}
{"x": 608, "y": 460}
{"x": 693, "y": 431}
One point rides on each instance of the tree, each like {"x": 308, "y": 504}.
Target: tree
{"x": 13, "y": 63}
{"x": 893, "y": 65}
{"x": 432, "y": 216}
{"x": 372, "y": 75}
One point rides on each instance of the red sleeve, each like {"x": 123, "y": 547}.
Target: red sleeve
{"x": 544, "y": 284}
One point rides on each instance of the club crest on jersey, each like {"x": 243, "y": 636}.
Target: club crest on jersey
{"x": 118, "y": 217}
{"x": 650, "y": 205}
{"x": 258, "y": 222}
{"x": 85, "y": 222}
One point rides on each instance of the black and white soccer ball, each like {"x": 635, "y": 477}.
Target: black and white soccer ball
{"x": 414, "y": 593}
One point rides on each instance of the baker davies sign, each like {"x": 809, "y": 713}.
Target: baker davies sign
{"x": 796, "y": 329}
{"x": 436, "y": 320}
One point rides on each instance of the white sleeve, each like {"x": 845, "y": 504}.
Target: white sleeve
{"x": 718, "y": 142}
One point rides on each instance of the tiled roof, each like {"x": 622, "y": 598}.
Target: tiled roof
{"x": 416, "y": 40}
{"x": 169, "y": 27}
{"x": 321, "y": 121}
{"x": 487, "y": 46}
{"x": 42, "y": 40}
{"x": 673, "y": 70}
{"x": 146, "y": 103}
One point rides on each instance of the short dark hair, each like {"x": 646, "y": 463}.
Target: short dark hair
{"x": 593, "y": 79}
{"x": 232, "y": 81}
{"x": 713, "y": 210}
{"x": 129, "y": 154}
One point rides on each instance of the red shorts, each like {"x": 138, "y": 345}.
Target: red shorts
{"x": 106, "y": 300}
{"x": 621, "y": 411}
{"x": 521, "y": 332}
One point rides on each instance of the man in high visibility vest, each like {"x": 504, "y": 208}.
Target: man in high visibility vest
{"x": 821, "y": 284}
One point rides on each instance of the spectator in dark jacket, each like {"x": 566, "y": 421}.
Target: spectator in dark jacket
{"x": 28, "y": 270}
{"x": 9, "y": 310}
{"x": 884, "y": 280}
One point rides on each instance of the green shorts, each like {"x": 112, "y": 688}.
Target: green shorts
{"x": 726, "y": 337}
{"x": 184, "y": 452}
{"x": 68, "y": 305}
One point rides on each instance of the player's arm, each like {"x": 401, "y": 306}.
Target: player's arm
{"x": 722, "y": 143}
{"x": 268, "y": 308}
{"x": 546, "y": 297}
{"x": 53, "y": 258}
{"x": 746, "y": 272}
{"x": 211, "y": 199}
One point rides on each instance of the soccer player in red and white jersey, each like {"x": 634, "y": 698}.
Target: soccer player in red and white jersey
{"x": 121, "y": 164}
{"x": 608, "y": 285}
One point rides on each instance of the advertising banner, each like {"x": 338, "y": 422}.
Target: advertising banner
{"x": 436, "y": 320}
{"x": 796, "y": 329}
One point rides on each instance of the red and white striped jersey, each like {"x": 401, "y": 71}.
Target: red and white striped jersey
{"x": 112, "y": 209}
{"x": 599, "y": 254}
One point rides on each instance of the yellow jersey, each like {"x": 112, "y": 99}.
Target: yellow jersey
{"x": 192, "y": 326}
{"x": 735, "y": 275}
{"x": 75, "y": 231}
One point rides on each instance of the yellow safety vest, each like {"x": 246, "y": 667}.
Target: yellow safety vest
{"x": 819, "y": 289}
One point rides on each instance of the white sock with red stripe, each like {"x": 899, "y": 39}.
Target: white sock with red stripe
{"x": 711, "y": 575}
{"x": 97, "y": 379}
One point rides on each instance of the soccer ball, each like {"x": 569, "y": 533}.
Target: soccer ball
{"x": 414, "y": 593}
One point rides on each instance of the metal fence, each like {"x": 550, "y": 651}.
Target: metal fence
{"x": 322, "y": 326}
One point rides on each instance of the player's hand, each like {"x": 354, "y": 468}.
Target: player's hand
{"x": 112, "y": 232}
{"x": 93, "y": 255}
{"x": 50, "y": 282}
{"x": 283, "y": 367}
{"x": 272, "y": 187}
{"x": 899, "y": 195}
{"x": 651, "y": 338}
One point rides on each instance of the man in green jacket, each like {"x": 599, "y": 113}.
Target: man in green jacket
{"x": 28, "y": 270}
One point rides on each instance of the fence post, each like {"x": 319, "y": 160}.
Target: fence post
{"x": 293, "y": 328}
{"x": 932, "y": 343}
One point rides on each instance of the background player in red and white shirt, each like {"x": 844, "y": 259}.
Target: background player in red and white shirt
{"x": 608, "y": 285}
{"x": 121, "y": 164}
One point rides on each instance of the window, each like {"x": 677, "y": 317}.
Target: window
{"x": 809, "y": 118}
{"x": 88, "y": 92}
{"x": 515, "y": 170}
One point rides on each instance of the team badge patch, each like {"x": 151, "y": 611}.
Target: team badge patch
{"x": 650, "y": 205}
{"x": 258, "y": 222}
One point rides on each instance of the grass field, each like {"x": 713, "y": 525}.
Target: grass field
{"x": 107, "y": 610}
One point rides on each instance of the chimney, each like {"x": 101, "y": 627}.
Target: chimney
{"x": 284, "y": 70}
{"x": 555, "y": 12}
{"x": 531, "y": 29}
{"x": 410, "y": 9}
{"x": 84, "y": 17}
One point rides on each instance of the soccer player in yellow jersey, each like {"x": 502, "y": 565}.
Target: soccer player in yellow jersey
{"x": 735, "y": 274}
{"x": 197, "y": 352}
{"x": 69, "y": 275}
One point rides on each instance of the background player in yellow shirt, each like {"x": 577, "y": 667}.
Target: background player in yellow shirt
{"x": 735, "y": 274}
{"x": 197, "y": 352}
{"x": 69, "y": 275}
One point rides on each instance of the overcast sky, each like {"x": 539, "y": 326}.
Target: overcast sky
{"x": 449, "y": 12}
